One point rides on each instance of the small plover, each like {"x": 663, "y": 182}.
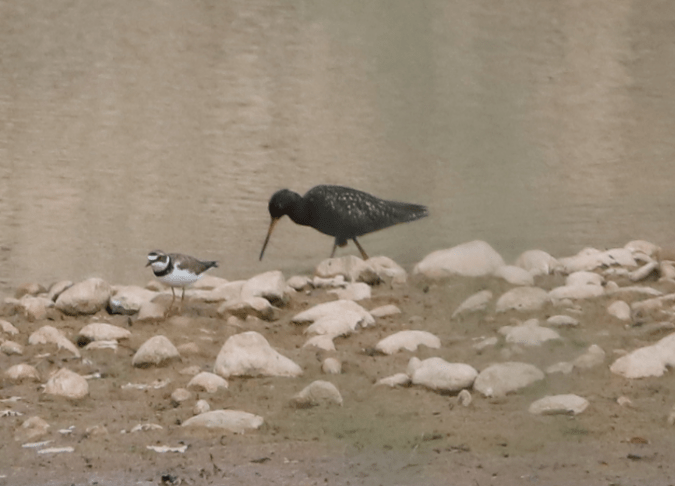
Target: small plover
{"x": 177, "y": 270}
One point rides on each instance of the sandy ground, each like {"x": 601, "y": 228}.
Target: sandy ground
{"x": 406, "y": 435}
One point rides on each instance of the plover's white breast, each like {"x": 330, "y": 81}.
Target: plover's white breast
{"x": 179, "y": 277}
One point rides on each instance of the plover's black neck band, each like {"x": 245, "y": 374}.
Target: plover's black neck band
{"x": 166, "y": 271}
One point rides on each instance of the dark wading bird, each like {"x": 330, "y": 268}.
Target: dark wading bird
{"x": 341, "y": 212}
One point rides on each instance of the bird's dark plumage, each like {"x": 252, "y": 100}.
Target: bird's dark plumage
{"x": 341, "y": 212}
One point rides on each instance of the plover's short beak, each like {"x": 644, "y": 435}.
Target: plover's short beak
{"x": 148, "y": 264}
{"x": 269, "y": 233}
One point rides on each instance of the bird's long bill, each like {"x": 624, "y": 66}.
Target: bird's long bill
{"x": 273, "y": 223}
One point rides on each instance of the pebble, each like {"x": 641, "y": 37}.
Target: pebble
{"x": 156, "y": 351}
{"x": 331, "y": 366}
{"x": 11, "y": 347}
{"x": 408, "y": 340}
{"x": 559, "y": 404}
{"x": 385, "y": 311}
{"x": 32, "y": 428}
{"x": 202, "y": 406}
{"x": 58, "y": 288}
{"x": 249, "y": 354}
{"x": 438, "y": 374}
{"x": 619, "y": 309}
{"x": 353, "y": 291}
{"x": 647, "y": 361}
{"x": 100, "y": 331}
{"x": 524, "y": 299}
{"x": 537, "y": 262}
{"x": 225, "y": 420}
{"x": 67, "y": 384}
{"x": 269, "y": 285}
{"x": 476, "y": 302}
{"x": 322, "y": 341}
{"x": 209, "y": 382}
{"x": 8, "y": 328}
{"x": 399, "y": 379}
{"x": 584, "y": 278}
{"x": 51, "y": 335}
{"x": 336, "y": 324}
{"x": 318, "y": 392}
{"x": 299, "y": 282}
{"x": 473, "y": 259}
{"x": 530, "y": 333}
{"x": 562, "y": 321}
{"x": 586, "y": 291}
{"x": 180, "y": 395}
{"x": 86, "y": 297}
{"x": 515, "y": 275}
{"x": 464, "y": 398}
{"x": 128, "y": 299}
{"x": 499, "y": 379}
{"x": 22, "y": 372}
{"x": 594, "y": 356}
{"x": 337, "y": 307}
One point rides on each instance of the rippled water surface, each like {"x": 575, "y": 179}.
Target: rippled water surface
{"x": 128, "y": 126}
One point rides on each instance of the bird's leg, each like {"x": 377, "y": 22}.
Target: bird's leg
{"x": 334, "y": 248}
{"x": 363, "y": 252}
{"x": 180, "y": 311}
{"x": 168, "y": 310}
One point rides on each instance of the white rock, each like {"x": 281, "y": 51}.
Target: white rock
{"x": 438, "y": 374}
{"x": 8, "y": 328}
{"x": 562, "y": 321}
{"x": 202, "y": 406}
{"x": 476, "y": 302}
{"x": 51, "y": 335}
{"x": 209, "y": 282}
{"x": 253, "y": 306}
{"x": 209, "y": 382}
{"x": 620, "y": 310}
{"x": 633, "y": 289}
{"x": 317, "y": 393}
{"x": 353, "y": 291}
{"x": 322, "y": 341}
{"x": 32, "y": 428}
{"x": 157, "y": 351}
{"x": 515, "y": 275}
{"x": 336, "y": 325}
{"x": 576, "y": 292}
{"x": 331, "y": 366}
{"x": 473, "y": 259}
{"x": 385, "y": 268}
{"x": 413, "y": 365}
{"x": 346, "y": 266}
{"x": 35, "y": 308}
{"x": 334, "y": 282}
{"x": 522, "y": 299}
{"x": 128, "y": 299}
{"x": 408, "y": 340}
{"x": 584, "y": 278}
{"x": 151, "y": 312}
{"x": 557, "y": 404}
{"x": 564, "y": 367}
{"x": 647, "y": 361}
{"x": 100, "y": 331}
{"x": 644, "y": 271}
{"x": 230, "y": 420}
{"x": 399, "y": 379}
{"x": 530, "y": 333}
{"x": 68, "y": 384}
{"x": 86, "y": 297}
{"x": 11, "y": 347}
{"x": 337, "y": 307}
{"x": 502, "y": 378}
{"x": 180, "y": 395}
{"x": 145, "y": 427}
{"x": 642, "y": 246}
{"x": 589, "y": 259}
{"x": 230, "y": 291}
{"x": 593, "y": 356}
{"x": 485, "y": 343}
{"x": 385, "y": 311}
{"x": 58, "y": 288}
{"x": 464, "y": 398}
{"x": 299, "y": 282}
{"x": 21, "y": 372}
{"x": 269, "y": 285}
{"x": 537, "y": 262}
{"x": 99, "y": 345}
{"x": 249, "y": 354}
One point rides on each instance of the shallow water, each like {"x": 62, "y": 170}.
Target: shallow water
{"x": 131, "y": 126}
